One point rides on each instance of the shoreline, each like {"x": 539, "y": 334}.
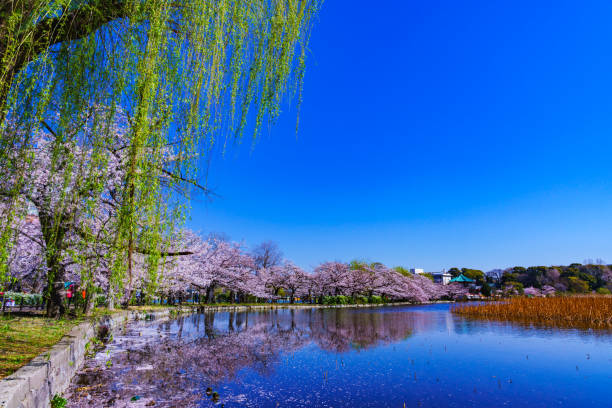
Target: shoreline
{"x": 238, "y": 306}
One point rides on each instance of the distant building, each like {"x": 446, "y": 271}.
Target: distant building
{"x": 439, "y": 277}
{"x": 442, "y": 277}
{"x": 462, "y": 279}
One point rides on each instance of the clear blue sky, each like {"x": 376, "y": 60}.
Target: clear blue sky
{"x": 436, "y": 134}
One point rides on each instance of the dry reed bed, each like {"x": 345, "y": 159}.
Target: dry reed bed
{"x": 564, "y": 311}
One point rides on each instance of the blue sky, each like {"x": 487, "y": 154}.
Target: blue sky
{"x": 436, "y": 134}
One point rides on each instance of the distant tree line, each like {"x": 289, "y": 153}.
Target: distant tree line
{"x": 574, "y": 278}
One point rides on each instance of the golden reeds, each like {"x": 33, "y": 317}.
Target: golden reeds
{"x": 563, "y": 311}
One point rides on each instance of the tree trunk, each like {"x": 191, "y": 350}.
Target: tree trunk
{"x": 56, "y": 292}
{"x": 129, "y": 291}
{"x": 55, "y": 304}
{"x": 210, "y": 294}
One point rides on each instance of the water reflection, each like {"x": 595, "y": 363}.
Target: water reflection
{"x": 421, "y": 356}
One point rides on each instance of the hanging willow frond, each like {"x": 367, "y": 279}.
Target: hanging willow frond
{"x": 179, "y": 75}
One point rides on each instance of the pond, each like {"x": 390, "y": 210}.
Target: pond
{"x": 395, "y": 356}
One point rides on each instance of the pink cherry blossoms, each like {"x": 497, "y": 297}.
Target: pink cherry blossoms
{"x": 210, "y": 265}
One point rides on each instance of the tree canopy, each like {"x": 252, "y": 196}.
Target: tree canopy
{"x": 153, "y": 85}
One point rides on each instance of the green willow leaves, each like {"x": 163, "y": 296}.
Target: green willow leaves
{"x": 179, "y": 76}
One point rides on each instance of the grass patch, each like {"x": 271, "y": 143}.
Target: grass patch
{"x": 23, "y": 338}
{"x": 563, "y": 311}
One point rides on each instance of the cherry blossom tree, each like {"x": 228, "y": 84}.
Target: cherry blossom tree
{"x": 75, "y": 190}
{"x": 68, "y": 188}
{"x": 208, "y": 264}
{"x": 26, "y": 261}
{"x": 531, "y": 291}
{"x": 197, "y": 71}
{"x": 212, "y": 264}
{"x": 336, "y": 278}
{"x": 548, "y": 290}
{"x": 332, "y": 278}
{"x": 273, "y": 279}
{"x": 296, "y": 282}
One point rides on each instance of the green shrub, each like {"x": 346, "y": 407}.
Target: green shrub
{"x": 376, "y": 299}
{"x": 337, "y": 300}
{"x": 329, "y": 300}
{"x": 360, "y": 300}
{"x": 604, "y": 291}
{"x": 100, "y": 300}
{"x": 29, "y": 299}
{"x": 342, "y": 300}
{"x": 248, "y": 299}
{"x": 58, "y": 402}
{"x": 577, "y": 285}
{"x": 349, "y": 300}
{"x": 36, "y": 299}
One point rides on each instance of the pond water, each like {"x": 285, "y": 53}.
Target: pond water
{"x": 412, "y": 356}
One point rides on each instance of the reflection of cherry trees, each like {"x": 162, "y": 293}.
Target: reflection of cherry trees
{"x": 176, "y": 366}
{"x": 172, "y": 369}
{"x": 340, "y": 330}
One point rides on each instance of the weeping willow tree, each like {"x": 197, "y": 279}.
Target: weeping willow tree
{"x": 181, "y": 76}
